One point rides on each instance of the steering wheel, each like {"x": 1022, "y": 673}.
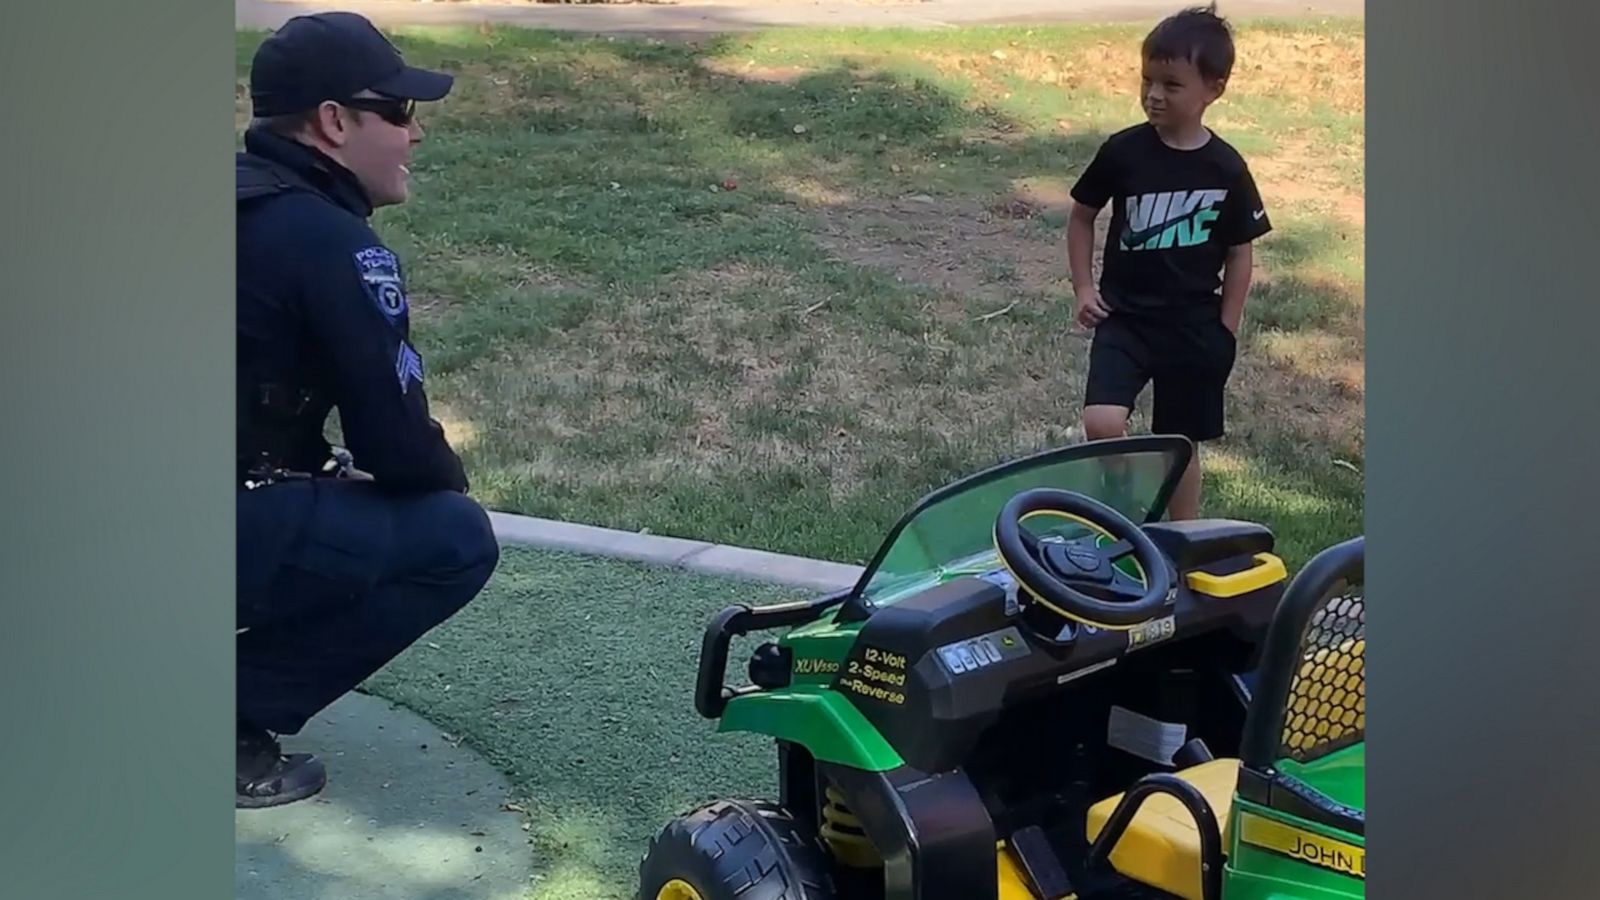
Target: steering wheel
{"x": 1058, "y": 574}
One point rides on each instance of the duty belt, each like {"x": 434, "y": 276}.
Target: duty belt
{"x": 339, "y": 466}
{"x": 260, "y": 478}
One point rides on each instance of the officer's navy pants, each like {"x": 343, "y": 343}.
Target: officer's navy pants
{"x": 336, "y": 578}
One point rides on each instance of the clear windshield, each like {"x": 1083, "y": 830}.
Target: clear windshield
{"x": 952, "y": 534}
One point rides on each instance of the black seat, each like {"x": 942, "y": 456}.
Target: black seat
{"x": 1200, "y": 542}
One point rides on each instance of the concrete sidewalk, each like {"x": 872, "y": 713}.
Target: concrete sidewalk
{"x": 699, "y": 16}
{"x": 406, "y": 814}
{"x": 679, "y": 553}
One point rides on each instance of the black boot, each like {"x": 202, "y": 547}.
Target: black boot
{"x": 266, "y": 777}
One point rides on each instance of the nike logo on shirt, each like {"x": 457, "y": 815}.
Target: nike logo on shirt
{"x": 1158, "y": 221}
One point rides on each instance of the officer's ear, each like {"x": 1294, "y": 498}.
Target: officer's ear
{"x": 332, "y": 123}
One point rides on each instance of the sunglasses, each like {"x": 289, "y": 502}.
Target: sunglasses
{"x": 394, "y": 111}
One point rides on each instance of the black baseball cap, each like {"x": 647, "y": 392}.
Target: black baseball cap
{"x": 333, "y": 56}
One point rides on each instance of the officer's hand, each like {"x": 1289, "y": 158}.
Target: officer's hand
{"x": 343, "y": 466}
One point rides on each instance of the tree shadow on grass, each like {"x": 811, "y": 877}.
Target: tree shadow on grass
{"x": 609, "y": 160}
{"x": 543, "y": 85}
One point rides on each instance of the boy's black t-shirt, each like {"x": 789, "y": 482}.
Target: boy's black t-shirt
{"x": 1174, "y": 215}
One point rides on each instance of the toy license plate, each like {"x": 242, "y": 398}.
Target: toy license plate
{"x": 1152, "y": 632}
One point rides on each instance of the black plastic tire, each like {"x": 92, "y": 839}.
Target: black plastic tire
{"x": 737, "y": 850}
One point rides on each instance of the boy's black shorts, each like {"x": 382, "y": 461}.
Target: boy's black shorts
{"x": 1189, "y": 361}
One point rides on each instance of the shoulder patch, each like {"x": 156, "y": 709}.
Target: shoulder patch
{"x": 380, "y": 271}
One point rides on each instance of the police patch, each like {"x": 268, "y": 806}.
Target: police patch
{"x": 380, "y": 269}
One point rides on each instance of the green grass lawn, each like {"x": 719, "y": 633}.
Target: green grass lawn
{"x": 769, "y": 289}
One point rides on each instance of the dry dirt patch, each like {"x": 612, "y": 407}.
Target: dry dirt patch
{"x": 962, "y": 246}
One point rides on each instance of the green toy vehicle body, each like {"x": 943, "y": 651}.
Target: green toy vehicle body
{"x": 1039, "y": 691}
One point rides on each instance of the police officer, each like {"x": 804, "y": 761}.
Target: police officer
{"x": 344, "y": 559}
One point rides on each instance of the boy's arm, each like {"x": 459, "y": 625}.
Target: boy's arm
{"x": 1236, "y": 285}
{"x": 1090, "y": 194}
{"x": 1091, "y": 310}
{"x": 1245, "y": 221}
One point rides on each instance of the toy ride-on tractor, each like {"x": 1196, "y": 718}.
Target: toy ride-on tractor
{"x": 1038, "y": 690}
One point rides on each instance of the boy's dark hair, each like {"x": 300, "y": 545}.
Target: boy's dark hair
{"x": 1196, "y": 34}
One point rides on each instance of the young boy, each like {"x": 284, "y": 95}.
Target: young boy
{"x": 1184, "y": 207}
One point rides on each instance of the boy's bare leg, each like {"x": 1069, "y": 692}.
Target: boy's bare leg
{"x": 1103, "y": 421}
{"x": 1186, "y": 497}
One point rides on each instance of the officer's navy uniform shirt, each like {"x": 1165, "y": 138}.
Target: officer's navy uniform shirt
{"x": 322, "y": 305}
